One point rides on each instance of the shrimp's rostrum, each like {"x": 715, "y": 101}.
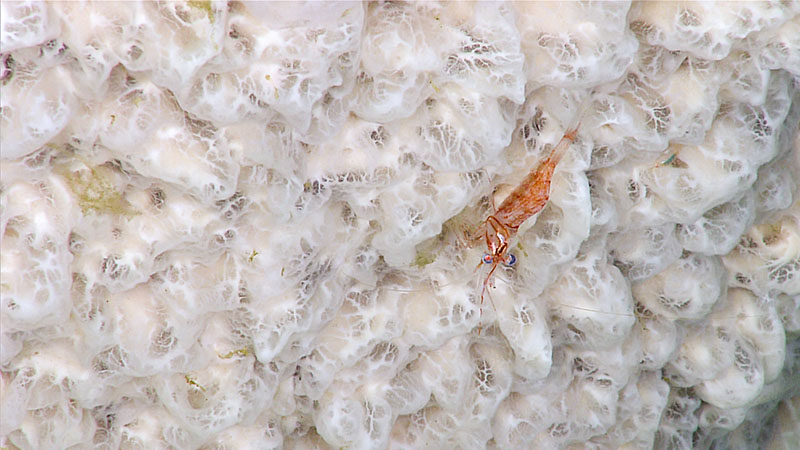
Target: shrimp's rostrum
{"x": 525, "y": 200}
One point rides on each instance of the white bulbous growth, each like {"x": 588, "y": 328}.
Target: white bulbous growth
{"x": 244, "y": 224}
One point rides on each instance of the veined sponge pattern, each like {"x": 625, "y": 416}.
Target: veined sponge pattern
{"x": 241, "y": 225}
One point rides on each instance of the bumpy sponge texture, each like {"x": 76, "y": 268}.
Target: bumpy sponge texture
{"x": 244, "y": 224}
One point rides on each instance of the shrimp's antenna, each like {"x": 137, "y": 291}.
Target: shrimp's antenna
{"x": 432, "y": 285}
{"x": 635, "y": 315}
{"x": 552, "y": 304}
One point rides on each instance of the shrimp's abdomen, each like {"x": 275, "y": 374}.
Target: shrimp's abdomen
{"x": 528, "y": 198}
{"x": 532, "y": 194}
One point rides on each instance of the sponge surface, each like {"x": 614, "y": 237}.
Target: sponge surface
{"x": 242, "y": 225}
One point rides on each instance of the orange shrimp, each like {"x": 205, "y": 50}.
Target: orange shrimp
{"x": 525, "y": 200}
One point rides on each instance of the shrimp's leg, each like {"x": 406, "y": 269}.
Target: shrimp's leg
{"x": 471, "y": 235}
{"x": 484, "y": 292}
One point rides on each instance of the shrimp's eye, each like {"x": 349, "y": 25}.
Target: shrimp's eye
{"x": 487, "y": 258}
{"x": 511, "y": 260}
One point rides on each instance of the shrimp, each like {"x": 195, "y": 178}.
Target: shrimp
{"x": 525, "y": 200}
